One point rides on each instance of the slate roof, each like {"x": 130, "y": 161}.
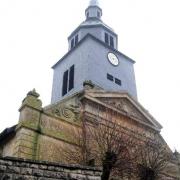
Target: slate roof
{"x": 98, "y": 41}
{"x": 7, "y": 133}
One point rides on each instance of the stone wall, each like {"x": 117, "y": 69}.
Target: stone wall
{"x": 19, "y": 169}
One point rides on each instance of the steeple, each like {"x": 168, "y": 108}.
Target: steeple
{"x": 93, "y": 25}
{"x": 93, "y": 10}
{"x": 93, "y": 57}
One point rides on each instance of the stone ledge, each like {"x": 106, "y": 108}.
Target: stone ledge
{"x": 72, "y": 167}
{"x": 15, "y": 168}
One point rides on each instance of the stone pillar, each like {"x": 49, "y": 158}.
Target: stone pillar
{"x": 29, "y": 127}
{"x": 30, "y": 110}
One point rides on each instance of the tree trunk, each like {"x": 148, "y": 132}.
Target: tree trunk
{"x": 108, "y": 163}
{"x": 106, "y": 171}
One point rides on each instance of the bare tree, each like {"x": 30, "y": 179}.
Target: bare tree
{"x": 104, "y": 142}
{"x": 114, "y": 146}
{"x": 152, "y": 160}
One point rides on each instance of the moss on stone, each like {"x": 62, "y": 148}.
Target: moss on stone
{"x": 58, "y": 135}
{"x": 67, "y": 120}
{"x": 29, "y": 124}
{"x": 32, "y": 100}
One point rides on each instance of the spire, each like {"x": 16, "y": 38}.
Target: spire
{"x": 94, "y": 3}
{"x": 93, "y": 10}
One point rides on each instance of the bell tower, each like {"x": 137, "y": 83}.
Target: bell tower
{"x": 93, "y": 56}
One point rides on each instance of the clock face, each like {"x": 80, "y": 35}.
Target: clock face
{"x": 113, "y": 59}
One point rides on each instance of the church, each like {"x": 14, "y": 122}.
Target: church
{"x": 92, "y": 74}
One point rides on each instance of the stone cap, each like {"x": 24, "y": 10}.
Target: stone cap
{"x": 32, "y": 100}
{"x": 88, "y": 85}
{"x": 33, "y": 93}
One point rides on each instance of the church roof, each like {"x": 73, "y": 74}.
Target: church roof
{"x": 7, "y": 133}
{"x": 92, "y": 22}
{"x": 98, "y": 41}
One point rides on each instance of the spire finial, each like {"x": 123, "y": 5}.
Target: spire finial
{"x": 93, "y": 10}
{"x": 93, "y": 3}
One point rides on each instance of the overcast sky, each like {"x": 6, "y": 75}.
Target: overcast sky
{"x": 33, "y": 36}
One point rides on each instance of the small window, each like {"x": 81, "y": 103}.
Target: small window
{"x": 65, "y": 83}
{"x": 118, "y": 81}
{"x": 76, "y": 39}
{"x": 72, "y": 43}
{"x": 106, "y": 38}
{"x": 111, "y": 41}
{"x": 88, "y": 15}
{"x": 110, "y": 77}
{"x": 68, "y": 80}
{"x": 98, "y": 14}
{"x": 71, "y": 78}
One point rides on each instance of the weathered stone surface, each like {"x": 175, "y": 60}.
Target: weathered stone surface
{"x": 43, "y": 178}
{"x": 94, "y": 178}
{"x": 21, "y": 164}
{"x": 38, "y": 172}
{"x": 59, "y": 169}
{"x": 5, "y": 176}
{"x": 77, "y": 176}
{"x": 21, "y": 177}
{"x": 43, "y": 167}
{"x": 51, "y": 174}
{"x": 13, "y": 169}
{"x": 32, "y": 100}
{"x": 2, "y": 168}
{"x": 26, "y": 171}
{"x": 62, "y": 175}
{"x": 3, "y": 162}
{"x": 36, "y": 166}
{"x": 51, "y": 168}
{"x": 20, "y": 169}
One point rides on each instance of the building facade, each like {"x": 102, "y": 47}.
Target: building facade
{"x": 92, "y": 75}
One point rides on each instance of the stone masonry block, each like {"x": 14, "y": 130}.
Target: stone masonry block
{"x": 20, "y": 177}
{"x": 2, "y": 168}
{"x": 5, "y": 176}
{"x": 38, "y": 172}
{"x": 21, "y": 169}
{"x": 35, "y": 166}
{"x": 26, "y": 171}
{"x": 77, "y": 176}
{"x": 62, "y": 175}
{"x": 51, "y": 168}
{"x": 97, "y": 173}
{"x": 21, "y": 164}
{"x": 88, "y": 173}
{"x": 43, "y": 167}
{"x": 94, "y": 178}
{"x": 13, "y": 169}
{"x": 6, "y": 162}
{"x": 59, "y": 169}
{"x": 50, "y": 174}
{"x": 43, "y": 178}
